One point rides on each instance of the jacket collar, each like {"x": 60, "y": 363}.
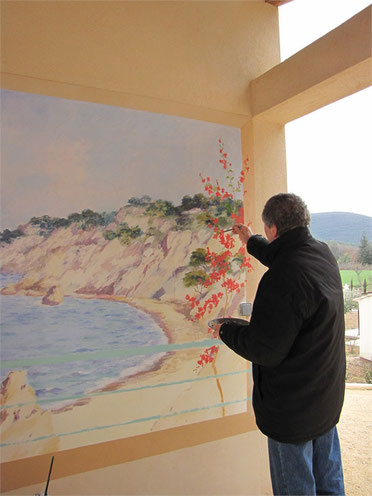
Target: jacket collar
{"x": 288, "y": 241}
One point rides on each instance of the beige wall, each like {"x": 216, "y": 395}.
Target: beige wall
{"x": 264, "y": 144}
{"x": 186, "y": 58}
{"x": 237, "y": 465}
{"x": 191, "y": 59}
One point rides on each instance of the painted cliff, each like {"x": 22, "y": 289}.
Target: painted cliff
{"x": 144, "y": 252}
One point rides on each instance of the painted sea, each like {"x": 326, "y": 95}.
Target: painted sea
{"x": 77, "y": 347}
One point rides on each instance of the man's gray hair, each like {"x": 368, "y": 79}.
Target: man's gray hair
{"x": 286, "y": 211}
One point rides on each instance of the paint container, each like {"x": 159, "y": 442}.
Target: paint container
{"x": 245, "y": 309}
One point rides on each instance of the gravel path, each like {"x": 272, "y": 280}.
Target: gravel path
{"x": 355, "y": 432}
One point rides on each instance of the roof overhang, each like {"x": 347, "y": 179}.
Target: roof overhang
{"x": 278, "y": 3}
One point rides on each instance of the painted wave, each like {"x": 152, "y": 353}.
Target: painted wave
{"x": 75, "y": 330}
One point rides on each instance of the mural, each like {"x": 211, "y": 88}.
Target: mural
{"x": 115, "y": 254}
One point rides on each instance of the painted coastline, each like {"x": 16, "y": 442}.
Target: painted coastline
{"x": 146, "y": 274}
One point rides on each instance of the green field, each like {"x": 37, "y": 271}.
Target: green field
{"x": 350, "y": 275}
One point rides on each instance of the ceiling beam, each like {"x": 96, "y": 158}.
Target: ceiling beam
{"x": 333, "y": 67}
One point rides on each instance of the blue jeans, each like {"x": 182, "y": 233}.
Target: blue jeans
{"x": 309, "y": 468}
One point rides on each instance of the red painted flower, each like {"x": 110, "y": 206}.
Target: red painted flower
{"x": 219, "y": 265}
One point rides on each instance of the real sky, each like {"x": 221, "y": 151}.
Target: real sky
{"x": 329, "y": 152}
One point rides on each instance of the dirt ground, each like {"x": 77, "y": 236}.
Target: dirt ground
{"x": 355, "y": 434}
{"x": 355, "y": 429}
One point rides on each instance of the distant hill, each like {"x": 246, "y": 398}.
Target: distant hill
{"x": 343, "y": 227}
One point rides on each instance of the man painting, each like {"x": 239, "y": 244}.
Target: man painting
{"x": 295, "y": 341}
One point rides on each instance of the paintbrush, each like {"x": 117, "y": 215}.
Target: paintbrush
{"x": 231, "y": 228}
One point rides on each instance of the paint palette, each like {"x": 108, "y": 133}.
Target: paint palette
{"x": 226, "y": 320}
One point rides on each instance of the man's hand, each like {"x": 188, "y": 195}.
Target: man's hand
{"x": 244, "y": 232}
{"x": 216, "y": 331}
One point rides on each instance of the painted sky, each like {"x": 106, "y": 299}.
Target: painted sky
{"x": 61, "y": 156}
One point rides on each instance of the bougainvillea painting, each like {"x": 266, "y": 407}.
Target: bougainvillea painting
{"x": 115, "y": 253}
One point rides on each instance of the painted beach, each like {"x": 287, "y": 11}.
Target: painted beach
{"x": 165, "y": 393}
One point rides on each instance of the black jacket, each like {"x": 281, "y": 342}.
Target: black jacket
{"x": 295, "y": 339}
